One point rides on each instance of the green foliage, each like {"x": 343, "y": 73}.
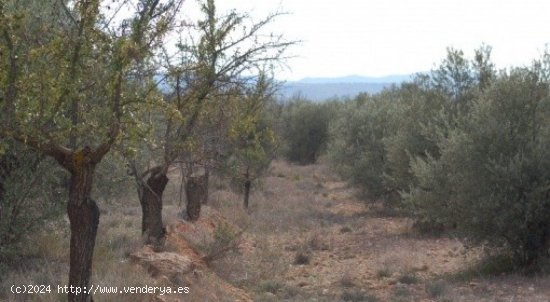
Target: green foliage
{"x": 31, "y": 194}
{"x": 462, "y": 148}
{"x": 305, "y": 129}
{"x": 112, "y": 180}
{"x": 356, "y": 148}
{"x": 374, "y": 139}
{"x": 252, "y": 141}
{"x": 492, "y": 180}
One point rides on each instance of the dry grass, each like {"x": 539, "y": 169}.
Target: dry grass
{"x": 46, "y": 259}
{"x": 355, "y": 251}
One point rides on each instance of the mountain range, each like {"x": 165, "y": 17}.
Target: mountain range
{"x": 318, "y": 89}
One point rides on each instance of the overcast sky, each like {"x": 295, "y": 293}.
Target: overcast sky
{"x": 386, "y": 37}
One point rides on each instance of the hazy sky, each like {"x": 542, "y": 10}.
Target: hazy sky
{"x": 384, "y": 37}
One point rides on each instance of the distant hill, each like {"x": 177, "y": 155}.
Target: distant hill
{"x": 319, "y": 89}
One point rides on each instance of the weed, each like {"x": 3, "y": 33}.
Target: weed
{"x": 225, "y": 240}
{"x": 408, "y": 279}
{"x": 383, "y": 273}
{"x": 316, "y": 243}
{"x": 289, "y": 292}
{"x": 436, "y": 289}
{"x": 271, "y": 286}
{"x": 345, "y": 229}
{"x": 302, "y": 258}
{"x": 357, "y": 296}
{"x": 401, "y": 291}
{"x": 347, "y": 280}
{"x": 489, "y": 266}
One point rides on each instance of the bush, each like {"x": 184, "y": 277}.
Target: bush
{"x": 492, "y": 180}
{"x": 225, "y": 240}
{"x": 302, "y": 258}
{"x": 356, "y": 295}
{"x": 417, "y": 115}
{"x": 305, "y": 130}
{"x": 356, "y": 149}
{"x": 408, "y": 278}
{"x": 436, "y": 289}
{"x": 374, "y": 138}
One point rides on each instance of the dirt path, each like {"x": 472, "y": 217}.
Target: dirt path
{"x": 309, "y": 238}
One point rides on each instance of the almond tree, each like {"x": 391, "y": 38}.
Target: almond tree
{"x": 64, "y": 73}
{"x": 214, "y": 58}
{"x": 251, "y": 138}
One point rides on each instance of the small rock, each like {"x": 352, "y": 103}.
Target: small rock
{"x": 165, "y": 263}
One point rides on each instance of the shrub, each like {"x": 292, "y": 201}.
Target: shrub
{"x": 271, "y": 286}
{"x": 436, "y": 289}
{"x": 356, "y": 295}
{"x": 492, "y": 180}
{"x": 302, "y": 258}
{"x": 225, "y": 240}
{"x": 408, "y": 278}
{"x": 305, "y": 130}
{"x": 356, "y": 149}
{"x": 374, "y": 138}
{"x": 383, "y": 273}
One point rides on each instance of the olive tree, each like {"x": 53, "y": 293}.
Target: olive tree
{"x": 305, "y": 129}
{"x": 492, "y": 180}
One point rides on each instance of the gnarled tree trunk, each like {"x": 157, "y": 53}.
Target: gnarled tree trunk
{"x": 84, "y": 219}
{"x": 150, "y": 198}
{"x": 205, "y": 184}
{"x": 196, "y": 192}
{"x": 247, "y": 184}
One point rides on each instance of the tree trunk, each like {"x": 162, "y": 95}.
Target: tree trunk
{"x": 196, "y": 191}
{"x": 247, "y": 183}
{"x": 151, "y": 192}
{"x": 205, "y": 183}
{"x": 84, "y": 219}
{"x": 246, "y": 192}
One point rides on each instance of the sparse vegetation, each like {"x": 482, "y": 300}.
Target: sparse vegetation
{"x": 347, "y": 280}
{"x": 346, "y": 229}
{"x": 271, "y": 286}
{"x": 441, "y": 191}
{"x": 302, "y": 258}
{"x": 356, "y": 295}
{"x": 436, "y": 289}
{"x": 383, "y": 273}
{"x": 401, "y": 292}
{"x": 408, "y": 278}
